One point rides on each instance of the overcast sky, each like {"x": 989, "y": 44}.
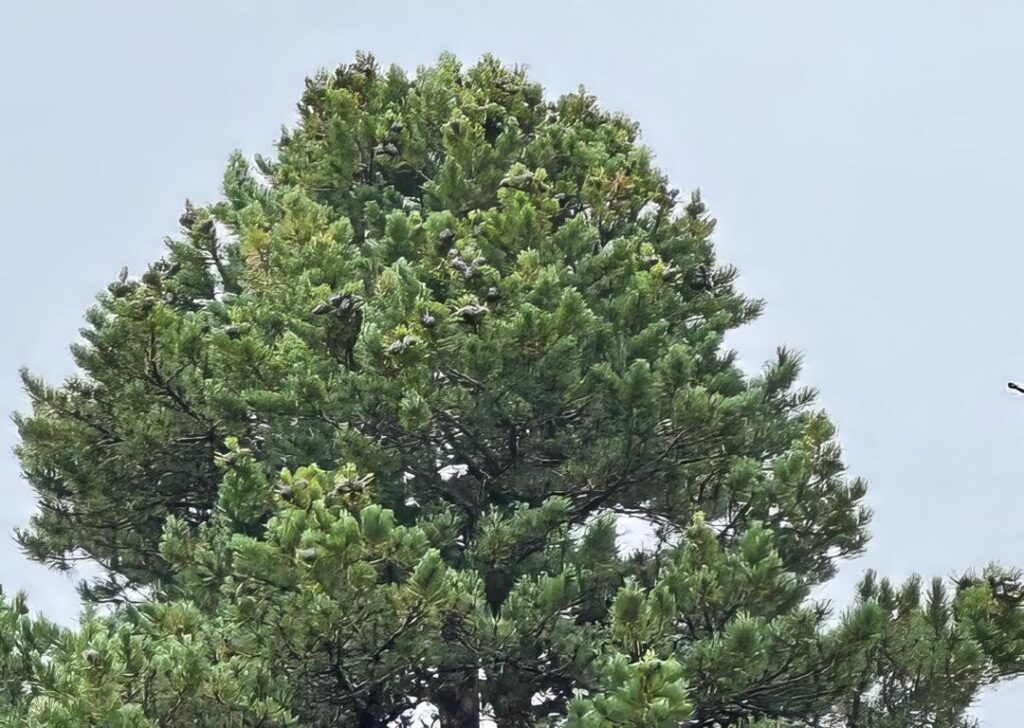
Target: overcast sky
{"x": 866, "y": 164}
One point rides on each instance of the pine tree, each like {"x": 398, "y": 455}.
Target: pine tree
{"x": 360, "y": 439}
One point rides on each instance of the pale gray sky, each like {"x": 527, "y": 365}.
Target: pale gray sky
{"x": 864, "y": 159}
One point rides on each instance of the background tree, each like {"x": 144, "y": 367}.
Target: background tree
{"x": 478, "y": 326}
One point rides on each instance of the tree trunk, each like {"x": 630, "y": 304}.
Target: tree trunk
{"x": 458, "y": 704}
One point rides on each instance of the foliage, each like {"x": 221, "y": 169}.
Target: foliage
{"x": 362, "y": 437}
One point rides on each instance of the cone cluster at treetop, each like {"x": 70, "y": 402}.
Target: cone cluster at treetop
{"x": 354, "y": 450}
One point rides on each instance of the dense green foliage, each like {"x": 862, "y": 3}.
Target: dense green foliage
{"x": 359, "y": 441}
